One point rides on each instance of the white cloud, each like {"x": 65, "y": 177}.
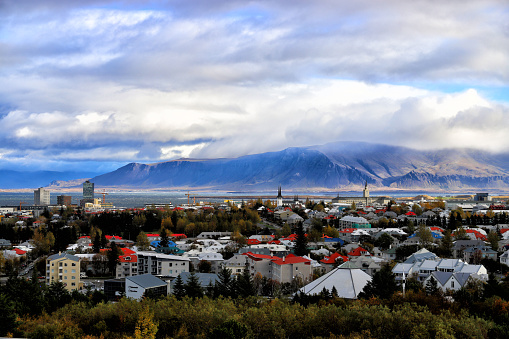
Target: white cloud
{"x": 85, "y": 82}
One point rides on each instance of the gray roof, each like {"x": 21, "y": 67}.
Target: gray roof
{"x": 462, "y": 244}
{"x": 63, "y": 255}
{"x": 146, "y": 280}
{"x": 442, "y": 277}
{"x": 349, "y": 282}
{"x": 421, "y": 255}
{"x": 462, "y": 278}
{"x": 204, "y": 278}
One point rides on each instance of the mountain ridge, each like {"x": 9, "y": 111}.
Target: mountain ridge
{"x": 330, "y": 166}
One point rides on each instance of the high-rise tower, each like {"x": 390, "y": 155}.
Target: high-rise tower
{"x": 88, "y": 190}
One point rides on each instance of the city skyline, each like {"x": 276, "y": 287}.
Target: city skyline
{"x": 93, "y": 85}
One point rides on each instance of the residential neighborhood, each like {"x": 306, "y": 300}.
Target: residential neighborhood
{"x": 256, "y": 248}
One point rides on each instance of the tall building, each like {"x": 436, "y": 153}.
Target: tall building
{"x": 64, "y": 200}
{"x": 41, "y": 197}
{"x": 88, "y": 190}
{"x": 65, "y": 268}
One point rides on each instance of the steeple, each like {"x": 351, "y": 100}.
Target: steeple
{"x": 365, "y": 192}
{"x": 279, "y": 201}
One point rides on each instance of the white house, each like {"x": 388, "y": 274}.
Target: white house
{"x": 136, "y": 286}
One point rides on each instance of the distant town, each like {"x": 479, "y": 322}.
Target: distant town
{"x": 349, "y": 247}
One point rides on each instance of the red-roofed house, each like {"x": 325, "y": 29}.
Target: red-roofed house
{"x": 127, "y": 266}
{"x": 280, "y": 269}
{"x": 330, "y": 262}
{"x": 359, "y": 251}
{"x": 436, "y": 229}
{"x": 253, "y": 241}
{"x": 291, "y": 267}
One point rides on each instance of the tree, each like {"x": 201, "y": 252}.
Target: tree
{"x": 382, "y": 285}
{"x": 8, "y": 316}
{"x": 384, "y": 241}
{"x": 113, "y": 258}
{"x": 245, "y": 284}
{"x": 57, "y": 296}
{"x": 493, "y": 240}
{"x": 142, "y": 242}
{"x": 43, "y": 242}
{"x": 146, "y": 328}
{"x": 416, "y": 208}
{"x": 96, "y": 246}
{"x": 431, "y": 287}
{"x": 286, "y": 230}
{"x": 225, "y": 284}
{"x": 230, "y": 329}
{"x": 446, "y": 244}
{"x": 164, "y": 240}
{"x": 192, "y": 286}
{"x": 204, "y": 266}
{"x": 178, "y": 288}
{"x": 300, "y": 241}
{"x": 460, "y": 234}
{"x": 425, "y": 235}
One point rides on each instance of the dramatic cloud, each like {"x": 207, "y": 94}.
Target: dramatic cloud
{"x": 101, "y": 83}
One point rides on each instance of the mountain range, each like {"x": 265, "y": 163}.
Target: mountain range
{"x": 327, "y": 167}
{"x": 334, "y": 166}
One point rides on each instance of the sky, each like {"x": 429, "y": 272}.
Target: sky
{"x": 92, "y": 85}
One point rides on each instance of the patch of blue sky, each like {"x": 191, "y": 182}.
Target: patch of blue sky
{"x": 493, "y": 93}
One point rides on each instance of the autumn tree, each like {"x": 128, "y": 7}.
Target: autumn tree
{"x": 146, "y": 328}
{"x": 425, "y": 235}
{"x": 142, "y": 242}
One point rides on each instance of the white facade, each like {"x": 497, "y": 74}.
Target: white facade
{"x": 159, "y": 264}
{"x": 41, "y": 197}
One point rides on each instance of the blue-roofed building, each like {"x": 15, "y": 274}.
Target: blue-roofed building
{"x": 155, "y": 243}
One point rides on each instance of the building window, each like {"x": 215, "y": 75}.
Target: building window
{"x": 73, "y": 277}
{"x": 73, "y": 284}
{"x": 73, "y": 271}
{"x": 452, "y": 284}
{"x": 73, "y": 264}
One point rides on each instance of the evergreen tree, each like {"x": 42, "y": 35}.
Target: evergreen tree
{"x": 382, "y": 285}
{"x": 225, "y": 283}
{"x": 104, "y": 241}
{"x": 446, "y": 244}
{"x": 245, "y": 284}
{"x": 8, "y": 316}
{"x": 178, "y": 288}
{"x": 164, "y": 240}
{"x": 300, "y": 241}
{"x": 192, "y": 287}
{"x": 431, "y": 287}
{"x": 334, "y": 292}
{"x": 57, "y": 296}
{"x": 97, "y": 243}
{"x": 493, "y": 240}
{"x": 113, "y": 258}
